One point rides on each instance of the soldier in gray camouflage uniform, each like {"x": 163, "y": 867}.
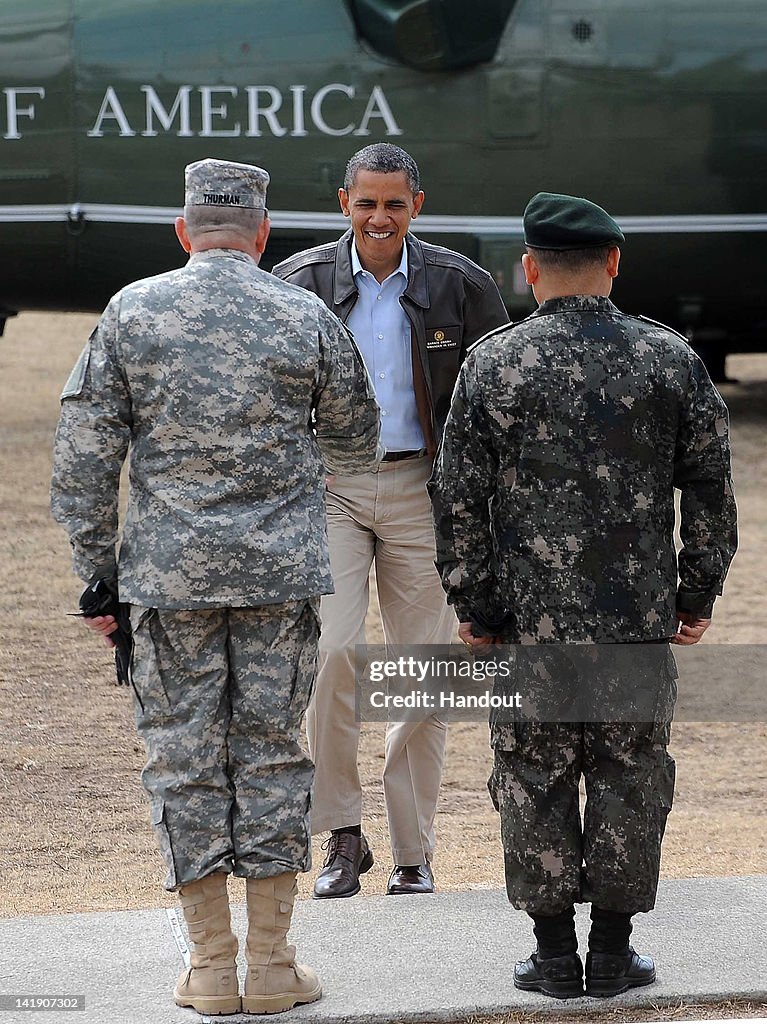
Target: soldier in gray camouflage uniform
{"x": 554, "y": 512}
{"x": 233, "y": 393}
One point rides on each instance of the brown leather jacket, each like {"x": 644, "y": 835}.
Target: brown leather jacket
{"x": 450, "y": 302}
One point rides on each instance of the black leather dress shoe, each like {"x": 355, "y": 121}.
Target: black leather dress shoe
{"x": 609, "y": 974}
{"x": 348, "y": 857}
{"x": 558, "y": 976}
{"x": 409, "y": 878}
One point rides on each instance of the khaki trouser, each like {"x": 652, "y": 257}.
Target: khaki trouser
{"x": 384, "y": 516}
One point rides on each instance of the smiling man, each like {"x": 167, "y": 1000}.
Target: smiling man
{"x": 414, "y": 309}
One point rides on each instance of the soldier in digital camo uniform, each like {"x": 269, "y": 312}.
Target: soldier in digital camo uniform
{"x": 554, "y": 512}
{"x": 234, "y": 393}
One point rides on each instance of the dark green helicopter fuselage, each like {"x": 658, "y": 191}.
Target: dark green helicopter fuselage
{"x": 655, "y": 109}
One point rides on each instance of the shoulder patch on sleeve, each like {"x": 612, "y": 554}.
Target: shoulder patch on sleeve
{"x": 496, "y": 330}
{"x": 657, "y": 323}
{"x": 76, "y": 380}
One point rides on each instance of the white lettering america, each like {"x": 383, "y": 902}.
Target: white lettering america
{"x": 228, "y": 111}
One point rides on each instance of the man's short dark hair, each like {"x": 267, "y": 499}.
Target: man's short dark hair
{"x": 570, "y": 260}
{"x": 383, "y": 158}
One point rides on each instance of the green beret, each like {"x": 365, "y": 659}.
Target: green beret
{"x": 553, "y": 221}
{"x": 225, "y": 183}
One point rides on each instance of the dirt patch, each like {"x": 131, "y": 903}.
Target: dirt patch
{"x": 75, "y": 832}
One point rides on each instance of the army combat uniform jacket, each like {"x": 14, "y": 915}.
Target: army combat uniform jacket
{"x": 235, "y": 393}
{"x": 553, "y": 492}
{"x": 554, "y": 509}
{"x": 449, "y": 301}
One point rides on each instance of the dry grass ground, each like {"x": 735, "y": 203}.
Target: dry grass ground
{"x": 673, "y": 1012}
{"x": 74, "y": 833}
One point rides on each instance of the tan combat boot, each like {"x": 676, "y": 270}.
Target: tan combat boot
{"x": 274, "y": 982}
{"x": 210, "y": 984}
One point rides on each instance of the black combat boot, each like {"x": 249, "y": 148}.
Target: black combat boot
{"x": 612, "y": 965}
{"x": 555, "y": 967}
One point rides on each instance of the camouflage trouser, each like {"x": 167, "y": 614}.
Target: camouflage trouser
{"x": 219, "y": 696}
{"x": 612, "y": 858}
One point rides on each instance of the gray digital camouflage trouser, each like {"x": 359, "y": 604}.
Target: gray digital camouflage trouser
{"x": 219, "y": 697}
{"x": 612, "y": 858}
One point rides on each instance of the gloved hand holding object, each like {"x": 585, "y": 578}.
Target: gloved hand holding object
{"x": 100, "y": 597}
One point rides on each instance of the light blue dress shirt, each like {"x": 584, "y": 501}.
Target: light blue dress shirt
{"x": 382, "y": 332}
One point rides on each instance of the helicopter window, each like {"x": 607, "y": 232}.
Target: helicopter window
{"x": 432, "y": 35}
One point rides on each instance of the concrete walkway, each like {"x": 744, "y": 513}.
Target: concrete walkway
{"x": 385, "y": 959}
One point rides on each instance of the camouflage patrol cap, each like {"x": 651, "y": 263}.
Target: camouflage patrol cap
{"x": 223, "y": 183}
{"x": 553, "y": 221}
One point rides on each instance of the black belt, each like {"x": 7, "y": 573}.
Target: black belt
{"x": 417, "y": 453}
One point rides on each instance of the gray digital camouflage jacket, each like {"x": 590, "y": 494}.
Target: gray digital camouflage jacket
{"x": 553, "y": 491}
{"x": 233, "y": 393}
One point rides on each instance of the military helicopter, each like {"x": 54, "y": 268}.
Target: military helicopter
{"x": 652, "y": 108}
